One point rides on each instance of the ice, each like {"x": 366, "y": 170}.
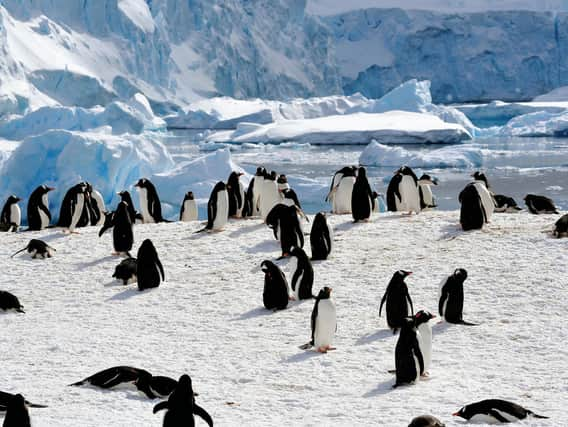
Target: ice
{"x": 537, "y": 124}
{"x": 560, "y": 94}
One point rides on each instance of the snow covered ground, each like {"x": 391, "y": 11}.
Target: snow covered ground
{"x": 207, "y": 320}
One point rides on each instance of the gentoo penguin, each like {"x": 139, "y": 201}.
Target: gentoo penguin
{"x": 36, "y": 248}
{"x": 505, "y": 204}
{"x": 126, "y": 271}
{"x": 275, "y": 294}
{"x": 362, "y": 197}
{"x": 477, "y": 204}
{"x": 561, "y": 227}
{"x": 181, "y": 406}
{"x": 236, "y": 195}
{"x": 427, "y": 200}
{"x": 399, "y": 304}
{"x": 108, "y": 222}
{"x": 422, "y": 323}
{"x": 273, "y": 218}
{"x": 11, "y": 216}
{"x": 324, "y": 321}
{"x": 126, "y": 198}
{"x": 290, "y": 231}
{"x": 409, "y": 361}
{"x": 426, "y": 421}
{"x": 540, "y": 204}
{"x": 254, "y": 191}
{"x": 484, "y": 190}
{"x": 450, "y": 305}
{"x": 149, "y": 201}
{"x": 302, "y": 274}
{"x": 141, "y": 379}
{"x": 122, "y": 235}
{"x": 321, "y": 237}
{"x": 282, "y": 182}
{"x": 188, "y": 211}
{"x": 5, "y": 400}
{"x": 495, "y": 410}
{"x": 290, "y": 198}
{"x": 217, "y": 208}
{"x": 72, "y": 207}
{"x": 17, "y": 413}
{"x": 341, "y": 190}
{"x": 96, "y": 205}
{"x": 148, "y": 266}
{"x": 10, "y": 301}
{"x": 402, "y": 191}
{"x": 269, "y": 195}
{"x": 38, "y": 208}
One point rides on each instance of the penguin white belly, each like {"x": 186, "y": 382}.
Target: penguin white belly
{"x": 425, "y": 343}
{"x": 77, "y": 212}
{"x": 325, "y": 324}
{"x": 330, "y": 231}
{"x": 15, "y": 214}
{"x": 256, "y": 192}
{"x": 269, "y": 197}
{"x": 147, "y": 218}
{"x": 427, "y": 195}
{"x": 342, "y": 197}
{"x": 100, "y": 204}
{"x": 222, "y": 210}
{"x": 417, "y": 364}
{"x": 42, "y": 215}
{"x": 486, "y": 199}
{"x": 409, "y": 194}
{"x": 242, "y": 205}
{"x": 487, "y": 419}
{"x": 189, "y": 211}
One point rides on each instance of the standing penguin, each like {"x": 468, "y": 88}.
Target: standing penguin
{"x": 540, "y": 204}
{"x": 149, "y": 201}
{"x": 122, "y": 235}
{"x": 17, "y": 413}
{"x": 402, "y": 192}
{"x": 324, "y": 321}
{"x": 399, "y": 305}
{"x": 450, "y": 305}
{"x": 275, "y": 294}
{"x": 126, "y": 198}
{"x": 290, "y": 231}
{"x": 477, "y": 203}
{"x": 38, "y": 208}
{"x": 188, "y": 211}
{"x": 341, "y": 190}
{"x": 427, "y": 200}
{"x": 422, "y": 323}
{"x": 362, "y": 197}
{"x": 181, "y": 406}
{"x": 409, "y": 360}
{"x": 11, "y": 216}
{"x": 217, "y": 208}
{"x": 269, "y": 195}
{"x": 254, "y": 191}
{"x": 236, "y": 195}
{"x": 561, "y": 227}
{"x": 72, "y": 207}
{"x": 302, "y": 274}
{"x": 321, "y": 237}
{"x": 149, "y": 269}
{"x": 96, "y": 205}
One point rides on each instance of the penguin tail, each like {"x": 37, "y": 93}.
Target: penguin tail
{"x": 463, "y": 322}
{"x": 16, "y": 253}
{"x": 78, "y": 383}
{"x": 537, "y": 416}
{"x": 21, "y": 309}
{"x": 160, "y": 406}
{"x": 35, "y": 405}
{"x": 201, "y": 231}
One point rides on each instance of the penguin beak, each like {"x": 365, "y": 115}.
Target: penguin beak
{"x": 456, "y": 414}
{"x": 50, "y": 188}
{"x": 434, "y": 316}
{"x": 435, "y": 181}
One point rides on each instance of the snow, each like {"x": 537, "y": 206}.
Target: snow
{"x": 207, "y": 320}
{"x": 357, "y": 128}
{"x": 560, "y": 94}
{"x": 139, "y": 13}
{"x": 537, "y": 124}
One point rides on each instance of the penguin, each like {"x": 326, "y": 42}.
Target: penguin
{"x": 236, "y": 195}
{"x": 188, "y": 210}
{"x": 427, "y": 200}
{"x": 5, "y": 400}
{"x": 321, "y": 238}
{"x": 302, "y": 274}
{"x": 426, "y": 421}
{"x": 126, "y": 271}
{"x": 495, "y": 410}
{"x": 402, "y": 192}
{"x": 450, "y": 304}
{"x": 273, "y": 218}
{"x": 11, "y": 216}
{"x": 282, "y": 182}
{"x": 36, "y": 248}
{"x": 561, "y": 227}
{"x": 362, "y": 197}
{"x": 149, "y": 201}
{"x": 484, "y": 190}
{"x": 472, "y": 214}
{"x": 290, "y": 198}
{"x": 10, "y": 301}
{"x": 424, "y": 328}
{"x": 341, "y": 190}
{"x": 72, "y": 207}
{"x": 290, "y": 231}
{"x": 409, "y": 360}
{"x": 217, "y": 208}
{"x": 17, "y": 414}
{"x": 398, "y": 302}
{"x": 38, "y": 208}
{"x": 275, "y": 294}
{"x": 269, "y": 195}
{"x": 254, "y": 191}
{"x": 323, "y": 321}
{"x": 149, "y": 269}
{"x": 122, "y": 235}
{"x": 505, "y": 204}
{"x": 181, "y": 406}
{"x": 96, "y": 205}
{"x": 108, "y": 222}
{"x": 540, "y": 204}
{"x": 126, "y": 198}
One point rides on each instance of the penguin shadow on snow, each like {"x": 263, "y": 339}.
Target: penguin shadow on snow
{"x": 302, "y": 356}
{"x": 384, "y": 387}
{"x": 129, "y": 293}
{"x": 245, "y": 230}
{"x": 375, "y": 336}
{"x": 264, "y": 247}
{"x": 441, "y": 327}
{"x": 84, "y": 265}
{"x": 255, "y": 312}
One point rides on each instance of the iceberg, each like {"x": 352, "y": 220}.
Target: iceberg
{"x": 537, "y": 124}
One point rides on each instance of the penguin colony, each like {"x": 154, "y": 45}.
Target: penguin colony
{"x": 270, "y": 197}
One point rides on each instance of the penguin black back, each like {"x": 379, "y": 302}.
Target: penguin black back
{"x": 290, "y": 230}
{"x": 149, "y": 268}
{"x": 127, "y": 198}
{"x": 426, "y": 421}
{"x": 234, "y": 193}
{"x": 540, "y": 204}
{"x": 500, "y": 410}
{"x": 17, "y": 413}
{"x": 398, "y": 302}
{"x": 122, "y": 234}
{"x": 472, "y": 215}
{"x": 153, "y": 204}
{"x": 320, "y": 238}
{"x": 561, "y": 226}
{"x": 450, "y": 305}
{"x": 126, "y": 270}
{"x": 10, "y": 301}
{"x": 408, "y": 354}
{"x": 36, "y": 248}
{"x": 303, "y": 276}
{"x": 362, "y": 197}
{"x": 37, "y": 208}
{"x": 5, "y": 399}
{"x": 275, "y": 294}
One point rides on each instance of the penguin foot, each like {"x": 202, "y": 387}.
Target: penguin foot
{"x": 425, "y": 375}
{"x": 291, "y": 298}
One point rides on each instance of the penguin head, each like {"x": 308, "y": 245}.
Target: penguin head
{"x": 259, "y": 171}
{"x": 142, "y": 183}
{"x": 402, "y": 274}
{"x": 423, "y": 317}
{"x": 426, "y": 421}
{"x": 324, "y": 293}
{"x": 428, "y": 180}
{"x": 13, "y": 199}
{"x": 266, "y": 266}
{"x": 147, "y": 248}
{"x": 460, "y": 273}
{"x": 464, "y": 413}
{"x": 220, "y": 186}
{"x": 45, "y": 189}
{"x": 478, "y": 176}
{"x": 184, "y": 388}
{"x": 189, "y": 195}
{"x": 362, "y": 172}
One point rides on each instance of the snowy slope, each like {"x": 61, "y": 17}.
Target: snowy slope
{"x": 207, "y": 320}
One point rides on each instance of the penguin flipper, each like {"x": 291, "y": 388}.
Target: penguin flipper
{"x": 463, "y": 322}
{"x": 161, "y": 406}
{"x": 200, "y": 412}
{"x": 532, "y": 414}
{"x": 159, "y": 264}
{"x": 382, "y": 302}
{"x": 495, "y": 414}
